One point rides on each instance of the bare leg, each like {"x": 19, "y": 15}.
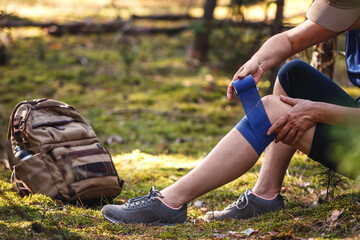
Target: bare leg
{"x": 231, "y": 158}
{"x": 276, "y": 160}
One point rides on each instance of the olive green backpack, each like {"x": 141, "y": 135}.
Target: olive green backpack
{"x": 57, "y": 153}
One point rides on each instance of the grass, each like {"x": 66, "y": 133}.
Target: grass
{"x": 169, "y": 115}
{"x": 48, "y": 219}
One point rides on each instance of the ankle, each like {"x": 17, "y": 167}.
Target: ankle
{"x": 170, "y": 201}
{"x": 267, "y": 195}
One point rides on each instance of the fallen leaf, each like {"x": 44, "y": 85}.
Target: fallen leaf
{"x": 249, "y": 231}
{"x": 355, "y": 228}
{"x": 303, "y": 184}
{"x": 335, "y": 215}
{"x": 234, "y": 234}
{"x": 80, "y": 226}
{"x": 219, "y": 235}
{"x": 56, "y": 46}
{"x": 274, "y": 233}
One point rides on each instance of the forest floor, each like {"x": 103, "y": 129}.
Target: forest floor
{"x": 169, "y": 115}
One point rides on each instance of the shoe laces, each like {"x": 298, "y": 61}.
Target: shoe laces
{"x": 137, "y": 201}
{"x": 243, "y": 198}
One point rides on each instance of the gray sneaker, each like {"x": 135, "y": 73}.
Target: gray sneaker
{"x": 247, "y": 206}
{"x": 145, "y": 209}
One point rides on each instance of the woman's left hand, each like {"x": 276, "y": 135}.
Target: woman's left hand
{"x": 291, "y": 127}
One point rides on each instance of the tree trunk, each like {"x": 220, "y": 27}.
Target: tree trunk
{"x": 201, "y": 44}
{"x": 276, "y": 28}
{"x": 3, "y": 54}
{"x": 323, "y": 57}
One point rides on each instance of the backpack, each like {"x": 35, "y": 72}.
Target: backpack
{"x": 64, "y": 158}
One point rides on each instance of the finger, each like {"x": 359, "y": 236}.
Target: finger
{"x": 289, "y": 100}
{"x": 276, "y": 125}
{"x": 290, "y": 136}
{"x": 230, "y": 92}
{"x": 258, "y": 75}
{"x": 239, "y": 74}
{"x": 282, "y": 133}
{"x": 298, "y": 137}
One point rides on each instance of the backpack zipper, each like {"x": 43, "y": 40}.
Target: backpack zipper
{"x": 53, "y": 123}
{"x": 83, "y": 153}
{"x": 76, "y": 154}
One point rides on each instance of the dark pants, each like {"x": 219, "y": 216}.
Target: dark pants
{"x": 300, "y": 80}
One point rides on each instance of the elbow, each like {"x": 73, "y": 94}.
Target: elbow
{"x": 293, "y": 44}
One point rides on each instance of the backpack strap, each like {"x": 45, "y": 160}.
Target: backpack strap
{"x": 19, "y": 185}
{"x": 15, "y": 121}
{"x": 353, "y": 56}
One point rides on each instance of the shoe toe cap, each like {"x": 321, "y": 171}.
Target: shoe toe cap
{"x": 113, "y": 212}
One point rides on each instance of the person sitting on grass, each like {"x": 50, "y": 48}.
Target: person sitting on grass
{"x": 305, "y": 111}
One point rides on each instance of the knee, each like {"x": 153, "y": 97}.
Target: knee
{"x": 270, "y": 101}
{"x": 292, "y": 68}
{"x": 274, "y": 107}
{"x": 291, "y": 75}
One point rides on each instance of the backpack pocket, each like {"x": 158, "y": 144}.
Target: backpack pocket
{"x": 56, "y": 129}
{"x": 88, "y": 171}
{"x": 35, "y": 173}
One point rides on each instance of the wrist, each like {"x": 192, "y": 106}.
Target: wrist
{"x": 261, "y": 62}
{"x": 318, "y": 110}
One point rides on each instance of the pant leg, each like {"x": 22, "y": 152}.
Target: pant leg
{"x": 300, "y": 80}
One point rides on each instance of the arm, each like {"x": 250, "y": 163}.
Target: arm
{"x": 280, "y": 47}
{"x": 305, "y": 113}
{"x": 338, "y": 115}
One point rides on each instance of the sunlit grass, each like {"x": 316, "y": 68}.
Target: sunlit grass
{"x": 301, "y": 219}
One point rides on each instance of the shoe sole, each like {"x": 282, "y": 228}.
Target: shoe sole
{"x": 115, "y": 221}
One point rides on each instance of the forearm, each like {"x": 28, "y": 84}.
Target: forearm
{"x": 283, "y": 45}
{"x": 337, "y": 115}
{"x": 275, "y": 50}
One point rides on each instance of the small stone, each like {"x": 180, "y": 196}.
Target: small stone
{"x": 114, "y": 139}
{"x": 198, "y": 204}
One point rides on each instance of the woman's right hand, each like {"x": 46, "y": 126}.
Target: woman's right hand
{"x": 250, "y": 67}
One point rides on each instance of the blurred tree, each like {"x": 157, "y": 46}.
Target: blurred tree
{"x": 323, "y": 57}
{"x": 3, "y": 53}
{"x": 201, "y": 46}
{"x": 276, "y": 28}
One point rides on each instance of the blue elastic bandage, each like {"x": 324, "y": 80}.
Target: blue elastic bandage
{"x": 256, "y": 123}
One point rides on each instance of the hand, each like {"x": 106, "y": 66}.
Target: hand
{"x": 250, "y": 67}
{"x": 292, "y": 126}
